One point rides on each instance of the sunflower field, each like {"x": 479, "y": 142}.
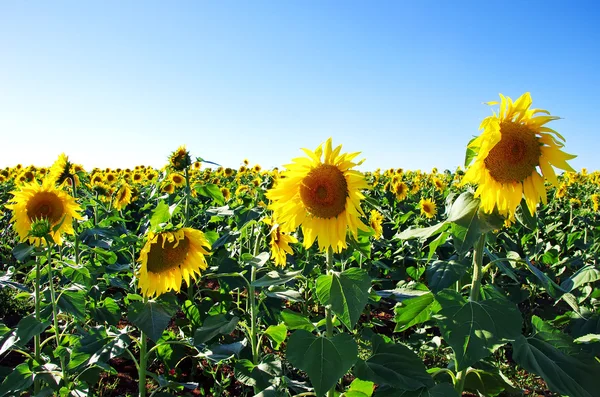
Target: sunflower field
{"x": 315, "y": 279}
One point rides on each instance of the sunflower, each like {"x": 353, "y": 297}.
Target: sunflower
{"x": 561, "y": 191}
{"x": 226, "y": 193}
{"x": 439, "y": 184}
{"x": 110, "y": 178}
{"x": 509, "y": 151}
{"x": 197, "y": 165}
{"x": 280, "y": 243}
{"x": 575, "y": 202}
{"x": 138, "y": 177}
{"x": 596, "y": 202}
{"x": 400, "y": 190}
{"x": 428, "y": 208}
{"x": 170, "y": 257}
{"x": 168, "y": 188}
{"x": 123, "y": 197}
{"x": 321, "y": 196}
{"x": 376, "y": 221}
{"x": 180, "y": 159}
{"x": 177, "y": 179}
{"x": 34, "y": 202}
{"x": 228, "y": 171}
{"x": 60, "y": 170}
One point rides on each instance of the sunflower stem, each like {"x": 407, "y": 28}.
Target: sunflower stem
{"x": 37, "y": 347}
{"x": 55, "y": 309}
{"x": 143, "y": 361}
{"x": 459, "y": 385}
{"x": 75, "y": 224}
{"x": 328, "y": 312}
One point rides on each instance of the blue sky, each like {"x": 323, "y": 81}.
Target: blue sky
{"x": 116, "y": 83}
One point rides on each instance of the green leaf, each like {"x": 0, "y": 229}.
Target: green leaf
{"x": 161, "y": 214}
{"x": 415, "y": 311}
{"x": 6, "y": 280}
{"x": 524, "y": 216}
{"x": 214, "y": 326}
{"x": 395, "y": 365}
{"x": 22, "y": 251}
{"x": 346, "y": 292}
{"x": 295, "y": 320}
{"x": 475, "y": 329}
{"x": 470, "y": 154}
{"x": 553, "y": 289}
{"x": 19, "y": 380}
{"x": 486, "y": 383}
{"x": 423, "y": 233}
{"x": 151, "y": 317}
{"x": 212, "y": 191}
{"x": 192, "y": 313}
{"x": 565, "y": 367}
{"x": 589, "y": 338}
{"x": 585, "y": 275}
{"x": 262, "y": 375}
{"x": 443, "y": 274}
{"x": 325, "y": 360}
{"x": 360, "y": 388}
{"x": 275, "y": 278}
{"x": 108, "y": 311}
{"x": 277, "y": 333}
{"x": 73, "y": 302}
{"x": 27, "y": 328}
{"x": 463, "y": 209}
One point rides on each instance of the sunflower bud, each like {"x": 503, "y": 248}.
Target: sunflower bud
{"x": 40, "y": 228}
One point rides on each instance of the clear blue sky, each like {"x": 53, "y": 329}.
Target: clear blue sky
{"x": 120, "y": 83}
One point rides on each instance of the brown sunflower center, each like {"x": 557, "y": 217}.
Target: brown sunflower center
{"x": 45, "y": 205}
{"x": 122, "y": 194}
{"x": 324, "y": 191}
{"x": 516, "y": 156}
{"x": 168, "y": 256}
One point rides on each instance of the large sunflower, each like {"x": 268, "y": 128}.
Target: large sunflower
{"x": 511, "y": 148}
{"x": 34, "y": 202}
{"x": 169, "y": 257}
{"x": 123, "y": 197}
{"x": 322, "y": 196}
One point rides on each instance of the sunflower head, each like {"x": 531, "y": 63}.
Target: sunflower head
{"x": 177, "y": 179}
{"x": 375, "y": 222}
{"x": 170, "y": 257}
{"x": 322, "y": 194}
{"x": 35, "y": 202}
{"x": 428, "y": 208}
{"x": 514, "y": 147}
{"x": 279, "y": 243}
{"x": 180, "y": 159}
{"x": 122, "y": 197}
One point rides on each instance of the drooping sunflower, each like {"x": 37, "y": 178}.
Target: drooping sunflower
{"x": 61, "y": 170}
{"x": 376, "y": 220}
{"x": 511, "y": 148}
{"x": 170, "y": 257}
{"x": 180, "y": 159}
{"x": 595, "y": 202}
{"x": 280, "y": 243}
{"x": 226, "y": 193}
{"x": 428, "y": 208}
{"x": 123, "y": 197}
{"x": 321, "y": 195}
{"x": 34, "y": 202}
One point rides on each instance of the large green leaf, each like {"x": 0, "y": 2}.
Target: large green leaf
{"x": 423, "y": 233}
{"x": 443, "y": 274}
{"x": 263, "y": 375}
{"x": 475, "y": 329}
{"x": 17, "y": 381}
{"x": 395, "y": 365}
{"x": 359, "y": 388}
{"x": 72, "y": 301}
{"x": 565, "y": 367}
{"x": 325, "y": 360}
{"x": 276, "y": 278}
{"x": 214, "y": 326}
{"x": 295, "y": 320}
{"x": 587, "y": 274}
{"x": 277, "y": 333}
{"x": 27, "y": 328}
{"x": 151, "y": 317}
{"x": 212, "y": 191}
{"x": 415, "y": 311}
{"x": 346, "y": 292}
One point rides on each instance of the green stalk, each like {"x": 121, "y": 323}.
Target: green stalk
{"x": 143, "y": 361}
{"x": 252, "y": 299}
{"x": 75, "y": 224}
{"x": 328, "y": 312}
{"x": 55, "y": 309}
{"x": 36, "y": 339}
{"x": 473, "y": 296}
